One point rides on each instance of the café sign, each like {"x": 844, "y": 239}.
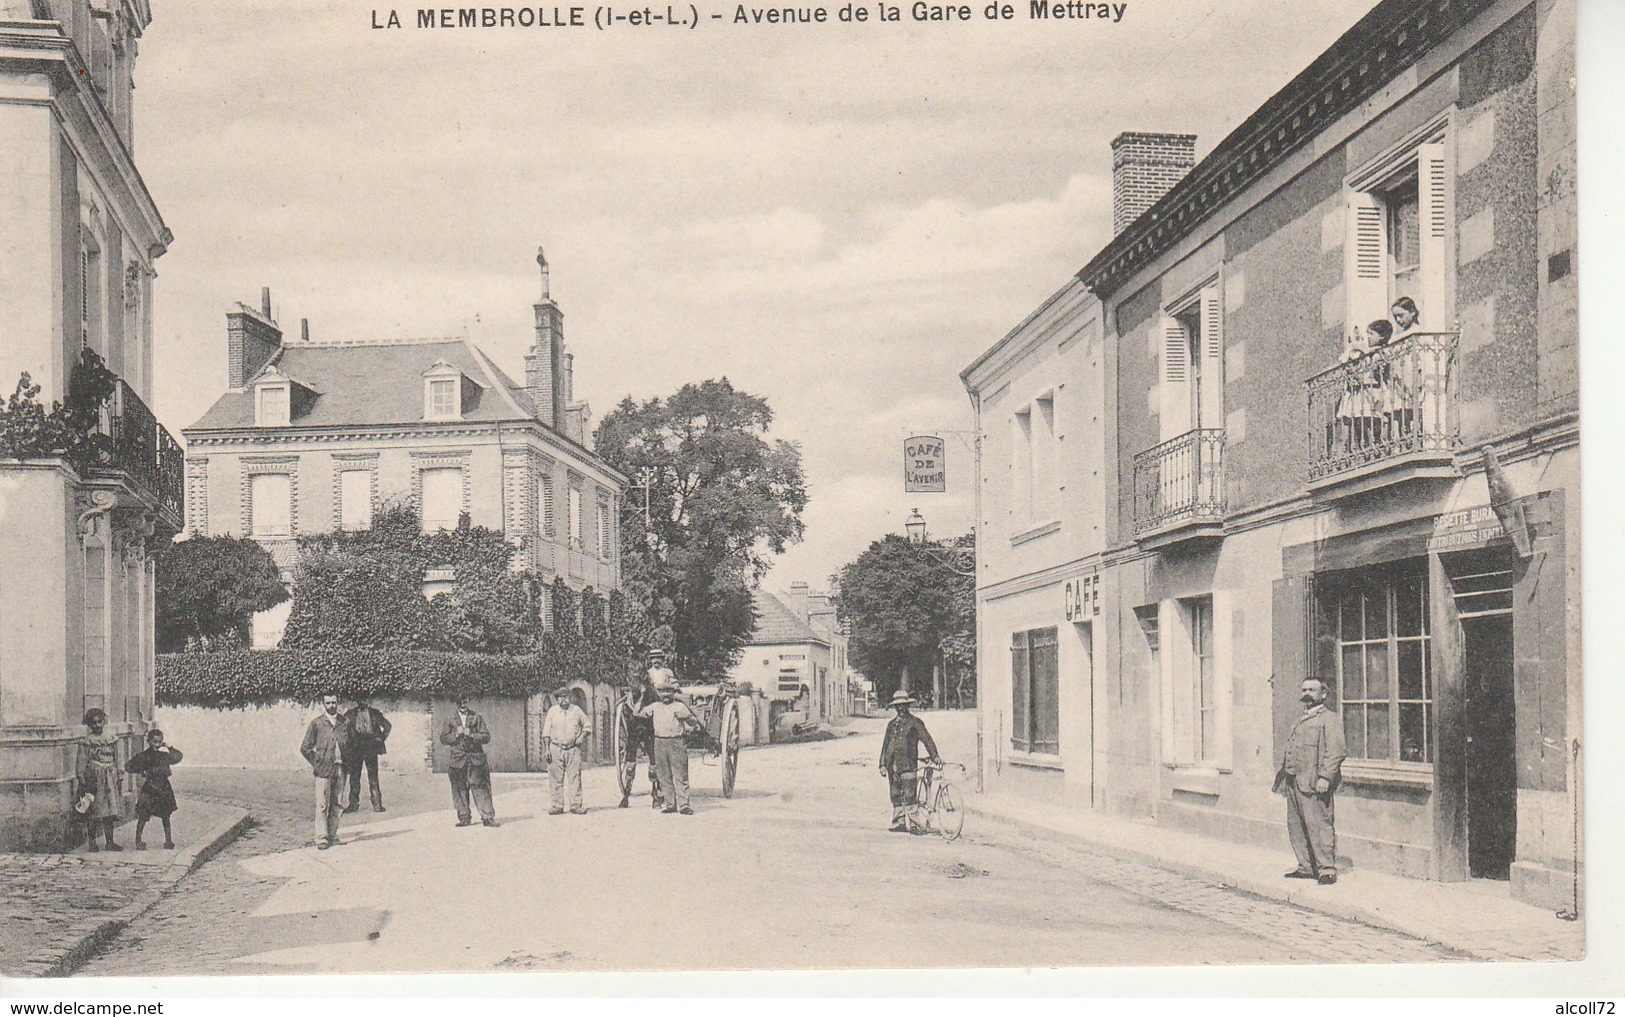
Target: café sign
{"x": 925, "y": 467}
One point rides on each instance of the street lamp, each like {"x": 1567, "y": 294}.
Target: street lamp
{"x": 959, "y": 560}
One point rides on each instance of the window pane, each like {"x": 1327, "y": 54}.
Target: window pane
{"x": 442, "y": 498}
{"x": 1410, "y": 669}
{"x": 1412, "y": 732}
{"x": 1353, "y": 674}
{"x": 1376, "y": 613}
{"x": 1408, "y": 607}
{"x": 1349, "y": 617}
{"x": 355, "y": 500}
{"x": 1376, "y": 732}
{"x": 1376, "y": 672}
{"x": 1354, "y": 729}
{"x": 271, "y": 503}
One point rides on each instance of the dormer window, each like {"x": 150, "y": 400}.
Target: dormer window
{"x": 272, "y": 402}
{"x": 442, "y": 392}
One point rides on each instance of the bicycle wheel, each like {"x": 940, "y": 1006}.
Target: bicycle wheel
{"x": 625, "y": 749}
{"x": 948, "y": 813}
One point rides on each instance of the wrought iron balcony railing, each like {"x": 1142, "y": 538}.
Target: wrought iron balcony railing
{"x": 129, "y": 439}
{"x": 1180, "y": 481}
{"x": 1395, "y": 402}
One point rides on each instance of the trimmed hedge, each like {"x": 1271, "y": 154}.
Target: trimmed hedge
{"x": 239, "y": 678}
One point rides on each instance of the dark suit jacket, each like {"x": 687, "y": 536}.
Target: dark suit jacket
{"x": 372, "y": 744}
{"x": 900, "y": 750}
{"x": 1315, "y": 749}
{"x": 322, "y": 747}
{"x": 466, "y": 749}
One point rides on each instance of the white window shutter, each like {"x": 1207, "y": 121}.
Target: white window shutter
{"x": 1223, "y": 680}
{"x": 1212, "y": 408}
{"x": 1170, "y": 633}
{"x": 1365, "y": 268}
{"x": 1175, "y": 418}
{"x": 1434, "y": 187}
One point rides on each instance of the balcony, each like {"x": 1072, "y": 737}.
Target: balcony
{"x": 1179, "y": 489}
{"x": 1384, "y": 418}
{"x": 127, "y": 439}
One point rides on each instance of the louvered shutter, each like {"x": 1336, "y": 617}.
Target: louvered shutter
{"x": 1175, "y": 415}
{"x": 1212, "y": 400}
{"x": 1171, "y": 639}
{"x": 1434, "y": 189}
{"x": 1020, "y": 694}
{"x": 1365, "y": 261}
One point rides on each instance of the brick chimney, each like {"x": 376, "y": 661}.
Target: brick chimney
{"x": 800, "y": 601}
{"x": 544, "y": 367}
{"x": 1144, "y": 168}
{"x": 252, "y": 339}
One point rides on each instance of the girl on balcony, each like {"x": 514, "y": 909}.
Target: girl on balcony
{"x": 101, "y": 799}
{"x": 1407, "y": 318}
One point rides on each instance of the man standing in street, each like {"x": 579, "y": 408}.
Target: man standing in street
{"x": 324, "y": 749}
{"x": 468, "y": 768}
{"x": 899, "y": 762}
{"x": 640, "y": 734}
{"x": 1310, "y": 770}
{"x": 367, "y": 729}
{"x": 564, "y": 734}
{"x": 672, "y": 720}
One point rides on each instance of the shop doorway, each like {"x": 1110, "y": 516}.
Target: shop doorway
{"x": 1484, "y": 605}
{"x": 1085, "y": 686}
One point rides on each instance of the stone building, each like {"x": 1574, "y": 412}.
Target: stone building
{"x": 311, "y": 435}
{"x": 1404, "y": 524}
{"x": 79, "y": 235}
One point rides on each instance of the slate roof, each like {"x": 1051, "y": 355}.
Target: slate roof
{"x": 362, "y": 384}
{"x": 777, "y": 624}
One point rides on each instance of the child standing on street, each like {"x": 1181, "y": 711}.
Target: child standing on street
{"x": 157, "y": 797}
{"x": 100, "y": 782}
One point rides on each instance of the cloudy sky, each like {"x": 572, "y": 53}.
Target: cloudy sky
{"x": 836, "y": 217}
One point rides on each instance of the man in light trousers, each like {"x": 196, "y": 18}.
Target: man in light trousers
{"x": 672, "y": 720}
{"x": 564, "y": 737}
{"x": 324, "y": 749}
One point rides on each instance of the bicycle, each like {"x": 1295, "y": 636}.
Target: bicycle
{"x": 939, "y": 801}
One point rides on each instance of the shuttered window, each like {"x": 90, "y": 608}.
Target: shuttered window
{"x": 1396, "y": 239}
{"x": 355, "y": 500}
{"x": 442, "y": 498}
{"x": 1035, "y": 707}
{"x": 271, "y": 504}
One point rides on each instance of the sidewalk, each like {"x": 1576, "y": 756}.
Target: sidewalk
{"x": 55, "y": 910}
{"x": 1478, "y": 918}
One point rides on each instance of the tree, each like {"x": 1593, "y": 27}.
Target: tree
{"x": 209, "y": 589}
{"x": 906, "y": 610}
{"x": 722, "y": 499}
{"x": 364, "y": 589}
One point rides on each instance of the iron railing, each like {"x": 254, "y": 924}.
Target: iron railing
{"x": 128, "y": 438}
{"x": 1393, "y": 401}
{"x": 1179, "y": 481}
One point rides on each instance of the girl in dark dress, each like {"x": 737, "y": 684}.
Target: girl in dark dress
{"x": 156, "y": 798}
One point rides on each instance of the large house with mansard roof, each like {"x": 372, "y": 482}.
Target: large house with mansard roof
{"x": 312, "y": 434}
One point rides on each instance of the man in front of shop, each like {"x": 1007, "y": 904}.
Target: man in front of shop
{"x": 899, "y": 762}
{"x": 1311, "y": 768}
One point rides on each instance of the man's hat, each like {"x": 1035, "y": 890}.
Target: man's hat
{"x": 656, "y": 652}
{"x": 901, "y": 698}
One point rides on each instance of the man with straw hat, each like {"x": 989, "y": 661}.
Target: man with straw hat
{"x": 899, "y": 760}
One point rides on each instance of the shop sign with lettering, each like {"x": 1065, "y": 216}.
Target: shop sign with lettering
{"x": 925, "y": 465}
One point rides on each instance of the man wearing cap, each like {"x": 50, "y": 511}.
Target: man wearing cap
{"x": 1311, "y": 767}
{"x": 899, "y": 760}
{"x": 469, "y": 770}
{"x": 672, "y": 719}
{"x": 640, "y": 692}
{"x": 564, "y": 732}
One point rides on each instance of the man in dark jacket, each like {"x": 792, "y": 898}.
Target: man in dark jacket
{"x": 899, "y": 762}
{"x": 324, "y": 749}
{"x": 1311, "y": 768}
{"x": 467, "y": 766}
{"x": 367, "y": 729}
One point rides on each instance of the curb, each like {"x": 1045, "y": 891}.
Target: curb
{"x": 96, "y": 934}
{"x": 1336, "y": 907}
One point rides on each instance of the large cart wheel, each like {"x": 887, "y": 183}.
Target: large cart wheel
{"x": 626, "y": 750}
{"x": 730, "y": 747}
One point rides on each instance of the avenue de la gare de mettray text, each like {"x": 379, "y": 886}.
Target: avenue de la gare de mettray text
{"x": 579, "y": 17}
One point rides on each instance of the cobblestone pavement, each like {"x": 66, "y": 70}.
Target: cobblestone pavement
{"x": 50, "y": 902}
{"x": 796, "y": 871}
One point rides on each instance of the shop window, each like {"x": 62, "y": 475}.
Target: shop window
{"x": 1035, "y": 708}
{"x": 1384, "y": 678}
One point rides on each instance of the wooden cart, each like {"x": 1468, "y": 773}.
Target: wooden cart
{"x": 717, "y": 707}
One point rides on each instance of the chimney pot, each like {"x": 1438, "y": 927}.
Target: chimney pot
{"x": 304, "y": 329}
{"x": 265, "y": 302}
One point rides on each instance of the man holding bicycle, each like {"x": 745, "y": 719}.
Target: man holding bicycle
{"x": 899, "y": 762}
